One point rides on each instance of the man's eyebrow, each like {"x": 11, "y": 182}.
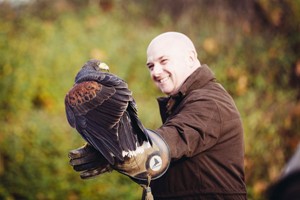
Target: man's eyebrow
{"x": 160, "y": 58}
{"x": 149, "y": 63}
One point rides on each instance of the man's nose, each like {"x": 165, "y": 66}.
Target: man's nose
{"x": 157, "y": 69}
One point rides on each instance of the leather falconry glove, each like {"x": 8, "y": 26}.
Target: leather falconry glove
{"x": 151, "y": 161}
{"x": 149, "y": 164}
{"x": 88, "y": 162}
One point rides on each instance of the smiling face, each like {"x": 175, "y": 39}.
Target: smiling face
{"x": 171, "y": 58}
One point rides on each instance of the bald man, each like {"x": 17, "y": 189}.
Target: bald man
{"x": 201, "y": 125}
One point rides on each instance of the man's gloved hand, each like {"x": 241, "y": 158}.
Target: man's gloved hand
{"x": 88, "y": 162}
{"x": 149, "y": 163}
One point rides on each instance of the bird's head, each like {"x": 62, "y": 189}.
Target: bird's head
{"x": 90, "y": 68}
{"x": 95, "y": 65}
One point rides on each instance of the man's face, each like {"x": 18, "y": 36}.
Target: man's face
{"x": 168, "y": 66}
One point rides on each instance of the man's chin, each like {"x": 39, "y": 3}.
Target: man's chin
{"x": 166, "y": 92}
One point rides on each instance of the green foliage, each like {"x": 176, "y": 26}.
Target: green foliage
{"x": 42, "y": 47}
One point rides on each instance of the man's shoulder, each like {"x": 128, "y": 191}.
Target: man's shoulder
{"x": 208, "y": 92}
{"x": 215, "y": 97}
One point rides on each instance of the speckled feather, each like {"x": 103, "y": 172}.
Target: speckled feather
{"x": 101, "y": 108}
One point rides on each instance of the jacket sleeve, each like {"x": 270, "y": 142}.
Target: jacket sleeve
{"x": 194, "y": 128}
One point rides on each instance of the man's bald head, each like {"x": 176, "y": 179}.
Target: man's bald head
{"x": 174, "y": 40}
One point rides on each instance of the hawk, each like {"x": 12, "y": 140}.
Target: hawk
{"x": 101, "y": 108}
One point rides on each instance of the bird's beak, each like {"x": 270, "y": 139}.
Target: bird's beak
{"x": 104, "y": 67}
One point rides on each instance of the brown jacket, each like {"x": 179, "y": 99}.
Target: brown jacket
{"x": 203, "y": 129}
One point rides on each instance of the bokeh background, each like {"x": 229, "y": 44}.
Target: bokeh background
{"x": 253, "y": 46}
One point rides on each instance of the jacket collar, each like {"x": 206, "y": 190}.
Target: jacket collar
{"x": 198, "y": 79}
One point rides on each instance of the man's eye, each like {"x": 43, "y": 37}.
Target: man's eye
{"x": 164, "y": 61}
{"x": 150, "y": 67}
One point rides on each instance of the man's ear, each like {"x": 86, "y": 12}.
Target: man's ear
{"x": 192, "y": 58}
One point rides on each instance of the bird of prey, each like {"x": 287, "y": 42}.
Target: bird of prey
{"x": 101, "y": 108}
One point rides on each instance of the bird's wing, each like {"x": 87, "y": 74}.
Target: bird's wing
{"x": 131, "y": 130}
{"x": 136, "y": 124}
{"x": 95, "y": 110}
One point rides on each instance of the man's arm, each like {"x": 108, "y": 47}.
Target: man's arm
{"x": 195, "y": 128}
